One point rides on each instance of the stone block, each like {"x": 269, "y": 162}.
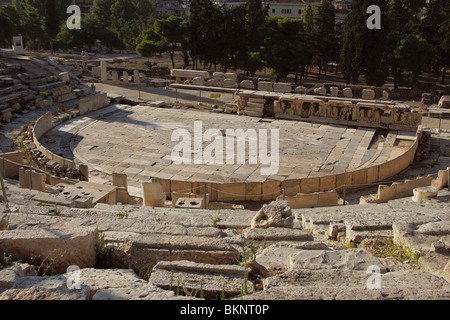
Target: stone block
{"x": 219, "y": 76}
{"x": 103, "y": 70}
{"x": 180, "y": 186}
{"x": 275, "y": 214}
{"x": 301, "y": 90}
{"x": 441, "y": 180}
{"x": 277, "y": 234}
{"x": 270, "y": 190}
{"x": 290, "y": 187}
{"x": 35, "y": 180}
{"x": 64, "y": 76}
{"x": 327, "y": 183}
{"x": 213, "y": 83}
{"x": 246, "y": 84}
{"x": 327, "y": 199}
{"x": 265, "y": 86}
{"x": 46, "y": 288}
{"x": 359, "y": 177}
{"x": 347, "y": 92}
{"x": 190, "y": 203}
{"x": 230, "y": 191}
{"x": 136, "y": 77}
{"x": 302, "y": 200}
{"x": 96, "y": 72}
{"x": 119, "y": 180}
{"x": 322, "y": 91}
{"x": 147, "y": 251}
{"x": 334, "y": 91}
{"x": 200, "y": 279}
{"x": 253, "y": 191}
{"x": 310, "y": 185}
{"x": 61, "y": 247}
{"x": 349, "y": 259}
{"x": 182, "y": 73}
{"x": 231, "y": 75}
{"x": 153, "y": 194}
{"x": 11, "y": 274}
{"x": 198, "y": 81}
{"x": 444, "y": 102}
{"x": 115, "y": 77}
{"x": 282, "y": 87}
{"x": 372, "y": 174}
{"x": 423, "y": 193}
{"x": 125, "y": 78}
{"x": 10, "y": 169}
{"x": 92, "y": 103}
{"x": 229, "y": 83}
{"x": 344, "y": 179}
{"x": 368, "y": 94}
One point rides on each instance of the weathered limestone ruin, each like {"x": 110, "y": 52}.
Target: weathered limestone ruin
{"x": 138, "y": 228}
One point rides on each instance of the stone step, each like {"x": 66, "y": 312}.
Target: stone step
{"x": 65, "y": 97}
{"x": 200, "y": 279}
{"x": 11, "y": 89}
{"x": 276, "y": 255}
{"x": 277, "y": 234}
{"x": 346, "y": 259}
{"x": 96, "y": 284}
{"x": 148, "y": 250}
{"x": 351, "y": 284}
{"x": 47, "y": 87}
{"x": 64, "y": 247}
{"x": 13, "y": 96}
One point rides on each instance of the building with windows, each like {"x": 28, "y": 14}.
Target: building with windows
{"x": 177, "y": 8}
{"x": 170, "y": 7}
{"x": 3, "y": 2}
{"x": 288, "y": 8}
{"x": 85, "y": 5}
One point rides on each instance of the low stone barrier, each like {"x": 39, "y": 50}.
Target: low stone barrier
{"x": 42, "y": 125}
{"x": 270, "y": 190}
{"x": 53, "y": 248}
{"x": 92, "y": 103}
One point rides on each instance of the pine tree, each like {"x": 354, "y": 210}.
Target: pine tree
{"x": 362, "y": 48}
{"x": 435, "y": 29}
{"x": 51, "y": 21}
{"x": 326, "y": 40}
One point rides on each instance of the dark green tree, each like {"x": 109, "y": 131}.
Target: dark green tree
{"x": 326, "y": 41}
{"x": 282, "y": 46}
{"x": 32, "y": 27}
{"x": 172, "y": 31}
{"x": 403, "y": 15}
{"x": 362, "y": 48}
{"x": 203, "y": 18}
{"x": 9, "y": 24}
{"x": 406, "y": 53}
{"x": 51, "y": 21}
{"x": 434, "y": 28}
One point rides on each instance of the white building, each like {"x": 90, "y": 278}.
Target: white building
{"x": 172, "y": 7}
{"x": 288, "y": 8}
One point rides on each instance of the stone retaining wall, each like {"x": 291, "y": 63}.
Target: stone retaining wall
{"x": 42, "y": 125}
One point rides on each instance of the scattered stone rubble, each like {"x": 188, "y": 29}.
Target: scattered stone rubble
{"x": 210, "y": 254}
